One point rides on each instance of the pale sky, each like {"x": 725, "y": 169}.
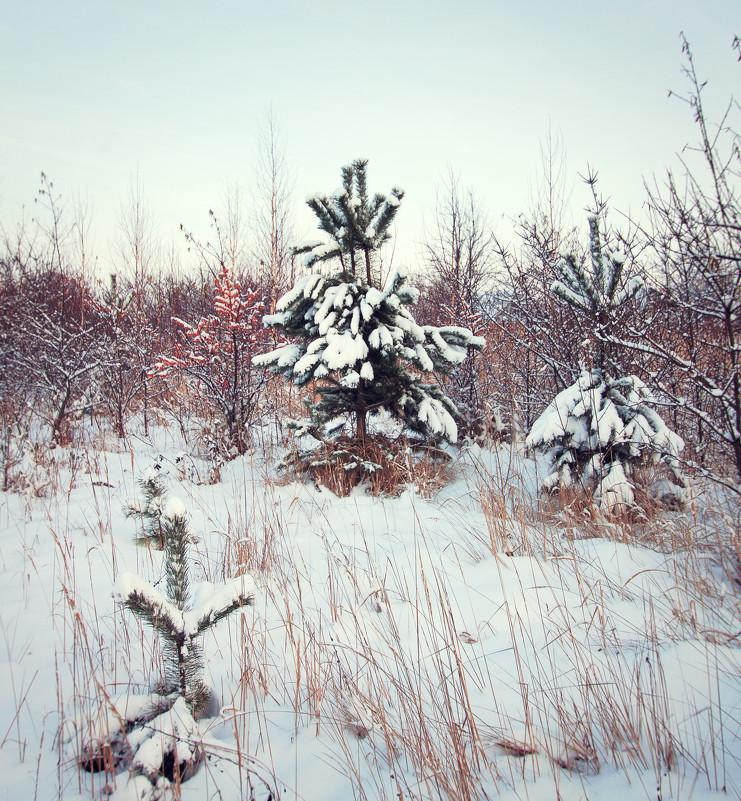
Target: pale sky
{"x": 96, "y": 93}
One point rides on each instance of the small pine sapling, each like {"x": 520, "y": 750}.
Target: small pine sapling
{"x": 150, "y": 508}
{"x": 156, "y": 735}
{"x": 162, "y": 742}
{"x": 177, "y": 620}
{"x": 598, "y": 429}
{"x": 597, "y": 293}
{"x": 603, "y": 425}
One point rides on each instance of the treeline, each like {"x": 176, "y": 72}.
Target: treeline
{"x": 157, "y": 335}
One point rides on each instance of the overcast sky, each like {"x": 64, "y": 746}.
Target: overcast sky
{"x": 97, "y": 93}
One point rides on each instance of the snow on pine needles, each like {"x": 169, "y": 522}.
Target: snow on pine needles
{"x": 466, "y": 645}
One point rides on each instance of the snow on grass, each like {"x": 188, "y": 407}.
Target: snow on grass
{"x": 462, "y": 646}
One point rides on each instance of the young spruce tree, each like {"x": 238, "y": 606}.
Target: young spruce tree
{"x": 603, "y": 425}
{"x": 357, "y": 341}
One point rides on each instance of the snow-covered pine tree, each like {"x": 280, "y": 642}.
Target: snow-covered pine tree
{"x": 358, "y": 342}
{"x": 603, "y": 425}
{"x": 177, "y": 618}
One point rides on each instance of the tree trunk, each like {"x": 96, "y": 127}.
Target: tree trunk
{"x": 368, "y": 267}
{"x": 61, "y": 414}
{"x": 119, "y": 407}
{"x": 180, "y": 642}
{"x": 146, "y": 415}
{"x": 360, "y": 425}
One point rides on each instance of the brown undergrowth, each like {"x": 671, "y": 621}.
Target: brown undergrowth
{"x": 573, "y": 510}
{"x": 385, "y": 466}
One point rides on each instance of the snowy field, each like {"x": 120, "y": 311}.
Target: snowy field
{"x": 459, "y": 644}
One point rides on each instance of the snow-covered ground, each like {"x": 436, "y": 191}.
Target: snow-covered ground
{"x": 455, "y": 646}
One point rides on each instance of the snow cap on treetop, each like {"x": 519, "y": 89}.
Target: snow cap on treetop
{"x": 175, "y": 508}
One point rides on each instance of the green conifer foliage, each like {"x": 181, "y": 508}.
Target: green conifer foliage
{"x": 150, "y": 509}
{"x": 174, "y": 618}
{"x": 596, "y": 290}
{"x": 598, "y": 429}
{"x": 357, "y": 225}
{"x": 360, "y": 344}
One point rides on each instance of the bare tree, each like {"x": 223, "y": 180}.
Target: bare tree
{"x": 234, "y": 250}
{"x": 129, "y": 344}
{"x": 459, "y": 247}
{"x": 126, "y": 307}
{"x": 273, "y": 227}
{"x": 55, "y": 225}
{"x": 539, "y": 355}
{"x": 550, "y": 193}
{"x": 459, "y": 255}
{"x": 52, "y": 350}
{"x": 696, "y": 237}
{"x": 226, "y": 246}
{"x": 80, "y": 251}
{"x": 137, "y": 246}
{"x": 60, "y": 357}
{"x": 15, "y": 409}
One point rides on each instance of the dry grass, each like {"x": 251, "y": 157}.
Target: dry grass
{"x": 617, "y": 712}
{"x": 381, "y": 662}
{"x": 384, "y": 465}
{"x": 574, "y": 511}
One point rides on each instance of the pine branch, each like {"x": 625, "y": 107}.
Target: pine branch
{"x": 151, "y": 607}
{"x": 212, "y": 618}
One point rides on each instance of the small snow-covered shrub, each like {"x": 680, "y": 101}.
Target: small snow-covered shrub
{"x": 34, "y": 467}
{"x": 597, "y": 430}
{"x": 31, "y": 461}
{"x": 22, "y": 464}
